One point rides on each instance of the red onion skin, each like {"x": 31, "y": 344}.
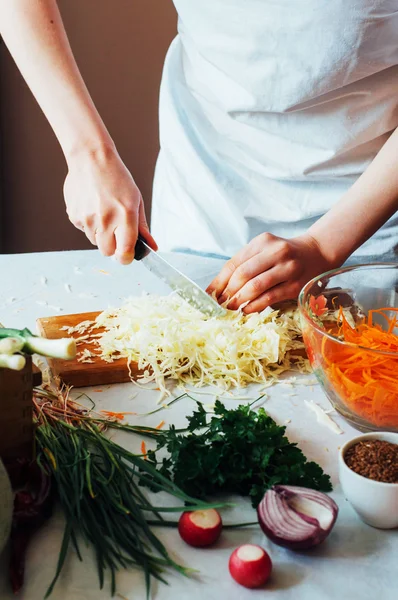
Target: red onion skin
{"x": 305, "y": 544}
{"x": 319, "y": 534}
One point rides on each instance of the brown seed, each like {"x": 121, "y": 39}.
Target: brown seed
{"x": 374, "y": 459}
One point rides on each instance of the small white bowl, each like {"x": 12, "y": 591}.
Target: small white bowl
{"x": 375, "y": 502}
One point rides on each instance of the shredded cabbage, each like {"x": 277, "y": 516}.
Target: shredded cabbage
{"x": 170, "y": 340}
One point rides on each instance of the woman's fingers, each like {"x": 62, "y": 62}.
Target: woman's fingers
{"x": 219, "y": 284}
{"x": 126, "y": 237}
{"x": 247, "y": 272}
{"x": 234, "y": 274}
{"x": 258, "y": 285}
{"x": 284, "y": 291}
{"x": 106, "y": 242}
{"x": 90, "y": 234}
{"x": 121, "y": 242}
{"x": 118, "y": 234}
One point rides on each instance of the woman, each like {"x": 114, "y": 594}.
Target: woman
{"x": 278, "y": 138}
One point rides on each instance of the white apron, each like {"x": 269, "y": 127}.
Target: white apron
{"x": 269, "y": 111}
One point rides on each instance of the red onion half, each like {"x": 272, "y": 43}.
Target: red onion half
{"x": 295, "y": 517}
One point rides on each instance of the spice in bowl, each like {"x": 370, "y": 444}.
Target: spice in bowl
{"x": 374, "y": 459}
{"x": 368, "y": 472}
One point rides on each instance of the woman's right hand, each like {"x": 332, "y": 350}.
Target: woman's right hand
{"x": 103, "y": 200}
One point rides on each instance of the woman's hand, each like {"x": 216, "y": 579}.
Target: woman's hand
{"x": 269, "y": 270}
{"x": 103, "y": 200}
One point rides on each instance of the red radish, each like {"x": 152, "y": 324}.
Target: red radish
{"x": 200, "y": 527}
{"x": 250, "y": 565}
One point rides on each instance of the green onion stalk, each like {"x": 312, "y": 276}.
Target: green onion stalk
{"x": 15, "y": 362}
{"x": 16, "y": 342}
{"x": 98, "y": 486}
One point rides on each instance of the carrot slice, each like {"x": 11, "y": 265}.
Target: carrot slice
{"x": 119, "y": 416}
{"x": 143, "y": 450}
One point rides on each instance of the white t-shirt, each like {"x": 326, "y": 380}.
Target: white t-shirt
{"x": 269, "y": 111}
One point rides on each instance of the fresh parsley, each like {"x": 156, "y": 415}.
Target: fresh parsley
{"x": 238, "y": 451}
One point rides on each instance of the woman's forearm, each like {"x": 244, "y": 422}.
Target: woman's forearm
{"x": 35, "y": 36}
{"x": 101, "y": 196}
{"x": 367, "y": 205}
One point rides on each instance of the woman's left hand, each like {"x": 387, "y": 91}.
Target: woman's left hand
{"x": 269, "y": 270}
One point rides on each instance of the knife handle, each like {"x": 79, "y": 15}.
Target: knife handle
{"x": 141, "y": 249}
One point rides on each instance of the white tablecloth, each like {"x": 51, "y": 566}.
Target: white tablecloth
{"x": 356, "y": 562}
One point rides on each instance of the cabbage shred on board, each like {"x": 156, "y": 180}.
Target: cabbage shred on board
{"x": 171, "y": 340}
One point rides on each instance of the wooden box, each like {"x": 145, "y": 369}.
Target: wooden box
{"x": 16, "y": 411}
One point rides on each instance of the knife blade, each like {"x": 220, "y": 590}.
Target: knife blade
{"x": 177, "y": 281}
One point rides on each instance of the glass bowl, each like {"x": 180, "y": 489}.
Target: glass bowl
{"x": 360, "y": 382}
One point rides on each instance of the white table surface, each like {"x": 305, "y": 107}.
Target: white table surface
{"x": 356, "y": 561}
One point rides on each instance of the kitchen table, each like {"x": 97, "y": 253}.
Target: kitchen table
{"x": 356, "y": 562}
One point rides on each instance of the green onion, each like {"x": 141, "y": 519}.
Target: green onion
{"x": 99, "y": 488}
{"x": 64, "y": 348}
{"x": 11, "y": 345}
{"x": 15, "y": 362}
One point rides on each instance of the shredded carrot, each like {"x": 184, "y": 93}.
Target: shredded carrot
{"x": 365, "y": 381}
{"x": 143, "y": 449}
{"x": 161, "y": 424}
{"x": 119, "y": 416}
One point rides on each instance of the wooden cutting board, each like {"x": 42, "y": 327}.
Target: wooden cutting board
{"x": 80, "y": 374}
{"x": 99, "y": 372}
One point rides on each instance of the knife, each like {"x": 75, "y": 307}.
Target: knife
{"x": 182, "y": 285}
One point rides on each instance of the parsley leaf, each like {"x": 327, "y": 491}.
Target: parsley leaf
{"x": 237, "y": 451}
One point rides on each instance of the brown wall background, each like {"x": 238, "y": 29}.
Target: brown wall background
{"x": 119, "y": 46}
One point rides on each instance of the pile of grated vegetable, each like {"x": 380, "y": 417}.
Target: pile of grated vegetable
{"x": 170, "y": 340}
